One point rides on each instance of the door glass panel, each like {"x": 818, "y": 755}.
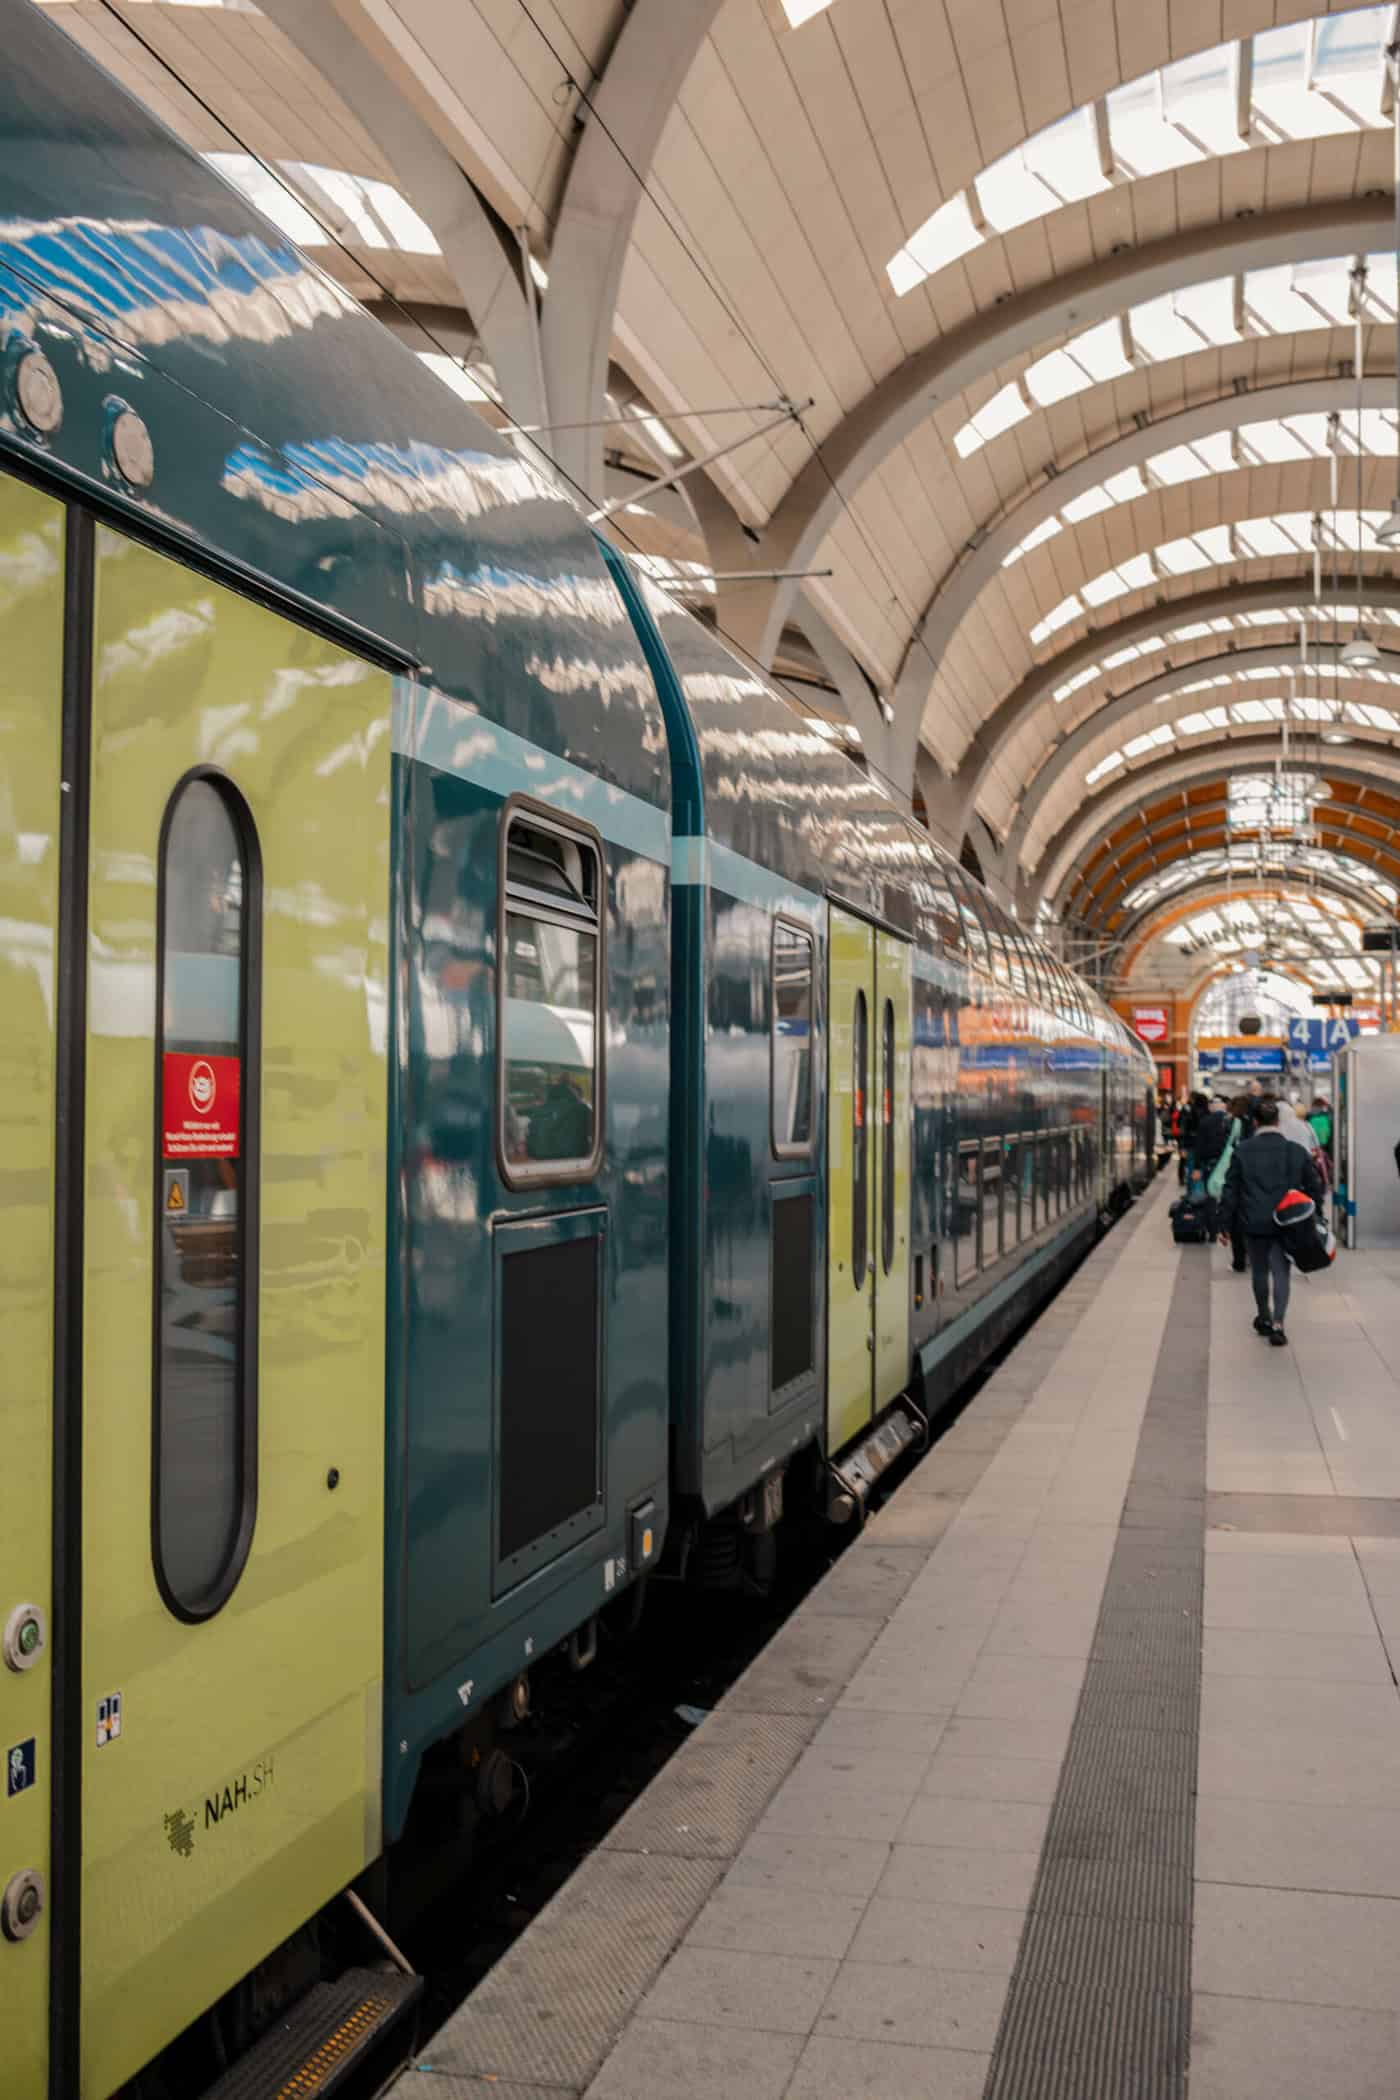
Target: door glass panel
{"x": 205, "y": 1355}
{"x": 1011, "y": 1194}
{"x": 991, "y": 1203}
{"x": 860, "y": 1145}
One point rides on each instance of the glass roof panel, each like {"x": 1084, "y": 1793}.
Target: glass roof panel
{"x": 1005, "y": 408}
{"x": 1307, "y": 80}
{"x": 1087, "y": 506}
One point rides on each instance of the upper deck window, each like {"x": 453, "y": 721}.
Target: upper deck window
{"x": 551, "y": 998}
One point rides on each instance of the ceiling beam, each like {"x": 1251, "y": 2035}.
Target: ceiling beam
{"x": 931, "y": 377}
{"x": 1166, "y": 693}
{"x": 1149, "y": 924}
{"x": 1096, "y": 817}
{"x": 623, "y": 117}
{"x": 957, "y": 591}
{"x": 485, "y": 272}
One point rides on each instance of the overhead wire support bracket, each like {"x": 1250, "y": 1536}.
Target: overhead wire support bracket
{"x": 676, "y": 415}
{"x": 790, "y": 412}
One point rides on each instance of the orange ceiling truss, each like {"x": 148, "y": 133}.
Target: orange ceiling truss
{"x": 1362, "y": 823}
{"x": 1159, "y": 919}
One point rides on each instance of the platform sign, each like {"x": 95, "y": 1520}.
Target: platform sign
{"x": 1250, "y": 1057}
{"x": 201, "y": 1103}
{"x": 1150, "y": 1023}
{"x": 1322, "y": 1038}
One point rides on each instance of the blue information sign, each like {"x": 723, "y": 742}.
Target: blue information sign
{"x": 1245, "y": 1057}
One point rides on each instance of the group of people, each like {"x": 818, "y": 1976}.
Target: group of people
{"x": 1247, "y": 1154}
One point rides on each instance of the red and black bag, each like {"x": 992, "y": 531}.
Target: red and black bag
{"x": 1306, "y": 1240}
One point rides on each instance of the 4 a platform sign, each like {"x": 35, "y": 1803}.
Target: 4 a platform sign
{"x": 200, "y": 1110}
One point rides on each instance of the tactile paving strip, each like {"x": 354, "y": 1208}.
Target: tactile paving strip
{"x": 1099, "y": 2003}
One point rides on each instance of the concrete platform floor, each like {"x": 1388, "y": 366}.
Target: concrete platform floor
{"x": 1078, "y": 1777}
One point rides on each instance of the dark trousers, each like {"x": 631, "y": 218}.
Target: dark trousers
{"x": 1239, "y": 1253}
{"x": 1266, "y": 1259}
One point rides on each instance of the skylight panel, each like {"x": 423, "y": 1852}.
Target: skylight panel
{"x": 1348, "y": 59}
{"x": 1151, "y": 740}
{"x": 1072, "y": 685}
{"x": 1159, "y": 331}
{"x": 1366, "y": 712}
{"x": 1005, "y": 409}
{"x": 1210, "y": 309}
{"x": 1043, "y": 532}
{"x": 1273, "y": 442}
{"x": 1143, "y": 141}
{"x": 1262, "y": 537}
{"x": 942, "y": 239}
{"x": 1177, "y": 464}
{"x": 1065, "y": 157}
{"x": 1127, "y": 486}
{"x": 1257, "y": 711}
{"x": 1100, "y": 351}
{"x": 1193, "y": 631}
{"x": 406, "y": 230}
{"x": 1068, "y": 609}
{"x": 1285, "y": 105}
{"x": 1199, "y": 96}
{"x": 1055, "y": 377}
{"x": 1104, "y": 767}
{"x": 1087, "y": 506}
{"x": 1010, "y": 193}
{"x": 1215, "y": 539}
{"x": 1307, "y": 708}
{"x": 1207, "y": 718}
{"x": 1268, "y": 616}
{"x": 1100, "y": 589}
{"x": 1180, "y": 557}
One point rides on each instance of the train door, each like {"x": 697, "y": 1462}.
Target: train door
{"x": 32, "y": 561}
{"x": 850, "y": 1293}
{"x": 893, "y": 991}
{"x": 209, "y": 1109}
{"x": 868, "y": 1145}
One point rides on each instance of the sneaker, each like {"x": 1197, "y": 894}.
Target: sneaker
{"x": 1261, "y": 1325}
{"x": 1278, "y": 1338}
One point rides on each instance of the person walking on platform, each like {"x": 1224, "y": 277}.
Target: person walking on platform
{"x": 1263, "y": 1169}
{"x": 1241, "y": 1112}
{"x": 1191, "y": 1116}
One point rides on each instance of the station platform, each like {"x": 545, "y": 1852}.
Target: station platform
{"x": 1077, "y": 1779}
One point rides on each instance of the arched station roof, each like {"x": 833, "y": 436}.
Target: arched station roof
{"x": 1071, "y": 294}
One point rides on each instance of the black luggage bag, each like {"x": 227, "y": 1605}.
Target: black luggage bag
{"x": 1190, "y": 1222}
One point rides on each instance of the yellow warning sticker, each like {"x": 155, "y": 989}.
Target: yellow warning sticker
{"x": 177, "y": 1192}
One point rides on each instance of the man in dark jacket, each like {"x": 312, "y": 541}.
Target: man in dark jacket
{"x": 1262, "y": 1170}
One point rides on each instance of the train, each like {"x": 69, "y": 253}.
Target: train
{"x": 498, "y": 1108}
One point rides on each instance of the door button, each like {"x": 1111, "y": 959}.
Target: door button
{"x": 25, "y": 1638}
{"x": 22, "y": 1904}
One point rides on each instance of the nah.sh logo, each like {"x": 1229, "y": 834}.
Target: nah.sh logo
{"x": 203, "y": 1086}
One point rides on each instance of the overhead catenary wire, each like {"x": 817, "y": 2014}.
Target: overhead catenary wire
{"x": 415, "y": 321}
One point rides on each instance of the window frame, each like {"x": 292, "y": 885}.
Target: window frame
{"x": 782, "y": 1149}
{"x": 249, "y": 1194}
{"x": 542, "y": 816}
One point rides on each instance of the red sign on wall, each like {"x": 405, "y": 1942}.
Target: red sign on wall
{"x": 1150, "y": 1022}
{"x": 200, "y": 1113}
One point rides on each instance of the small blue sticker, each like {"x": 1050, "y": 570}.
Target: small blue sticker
{"x": 19, "y": 1768}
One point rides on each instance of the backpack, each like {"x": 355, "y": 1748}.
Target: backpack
{"x": 1190, "y": 1225}
{"x": 1306, "y": 1240}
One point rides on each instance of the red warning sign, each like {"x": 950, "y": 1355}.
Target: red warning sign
{"x": 200, "y": 1116}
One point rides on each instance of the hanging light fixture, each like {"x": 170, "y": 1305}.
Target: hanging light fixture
{"x": 1360, "y": 652}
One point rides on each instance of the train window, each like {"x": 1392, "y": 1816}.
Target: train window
{"x": 887, "y": 1138}
{"x": 1011, "y": 1172}
{"x": 209, "y": 909}
{"x": 550, "y": 998}
{"x": 967, "y": 1200}
{"x": 791, "y": 1069}
{"x": 860, "y": 1144}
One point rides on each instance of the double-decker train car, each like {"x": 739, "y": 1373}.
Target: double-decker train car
{"x": 496, "y": 1107}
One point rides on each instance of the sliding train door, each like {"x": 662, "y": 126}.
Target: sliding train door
{"x": 194, "y": 861}
{"x": 895, "y": 1128}
{"x": 850, "y": 1283}
{"x": 233, "y": 1214}
{"x": 32, "y": 562}
{"x": 868, "y": 1154}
